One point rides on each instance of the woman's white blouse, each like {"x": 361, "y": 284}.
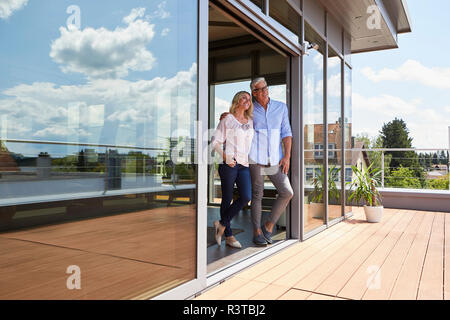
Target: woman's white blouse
{"x": 236, "y": 138}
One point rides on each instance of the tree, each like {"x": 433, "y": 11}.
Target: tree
{"x": 403, "y": 178}
{"x": 395, "y": 134}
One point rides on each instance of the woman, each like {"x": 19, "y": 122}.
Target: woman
{"x": 232, "y": 140}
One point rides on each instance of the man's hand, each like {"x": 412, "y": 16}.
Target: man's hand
{"x": 286, "y": 161}
{"x": 223, "y": 115}
{"x": 285, "y": 164}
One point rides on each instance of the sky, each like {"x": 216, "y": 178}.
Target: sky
{"x": 411, "y": 83}
{"x": 53, "y": 89}
{"x": 101, "y": 72}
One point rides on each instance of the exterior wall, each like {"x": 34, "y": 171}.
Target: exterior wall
{"x": 425, "y": 200}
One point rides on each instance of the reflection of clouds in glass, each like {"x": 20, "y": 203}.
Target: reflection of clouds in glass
{"x": 161, "y": 13}
{"x": 134, "y": 14}
{"x": 318, "y": 60}
{"x": 58, "y": 131}
{"x": 334, "y": 62}
{"x": 56, "y": 114}
{"x": 278, "y": 93}
{"x": 314, "y": 117}
{"x": 165, "y": 32}
{"x": 7, "y": 7}
{"x": 101, "y": 53}
{"x": 334, "y": 85}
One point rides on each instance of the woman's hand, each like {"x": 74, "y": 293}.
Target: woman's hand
{"x": 231, "y": 162}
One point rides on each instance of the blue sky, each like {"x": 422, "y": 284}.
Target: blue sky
{"x": 126, "y": 75}
{"x": 411, "y": 83}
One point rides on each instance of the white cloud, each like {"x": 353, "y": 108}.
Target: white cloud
{"x": 7, "y": 7}
{"x": 101, "y": 53}
{"x": 134, "y": 14}
{"x": 428, "y": 127}
{"x": 165, "y": 32}
{"x": 334, "y": 62}
{"x": 334, "y": 85}
{"x": 103, "y": 110}
{"x": 58, "y": 131}
{"x": 278, "y": 93}
{"x": 412, "y": 71}
{"x": 161, "y": 13}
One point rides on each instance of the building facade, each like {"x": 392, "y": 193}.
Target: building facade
{"x": 106, "y": 116}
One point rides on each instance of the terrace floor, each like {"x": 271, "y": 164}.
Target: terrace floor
{"x": 405, "y": 256}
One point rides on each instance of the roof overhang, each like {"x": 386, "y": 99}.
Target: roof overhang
{"x": 371, "y": 30}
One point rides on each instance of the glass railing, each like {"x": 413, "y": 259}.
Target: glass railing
{"x": 423, "y": 169}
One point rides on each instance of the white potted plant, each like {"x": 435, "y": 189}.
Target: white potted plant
{"x": 364, "y": 186}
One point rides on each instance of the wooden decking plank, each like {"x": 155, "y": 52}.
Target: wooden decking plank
{"x": 295, "y": 294}
{"x": 391, "y": 267}
{"x": 315, "y": 278}
{"x": 407, "y": 282}
{"x": 320, "y": 257}
{"x": 360, "y": 280}
{"x": 431, "y": 286}
{"x": 270, "y": 292}
{"x": 339, "y": 277}
{"x": 223, "y": 289}
{"x": 316, "y": 296}
{"x": 272, "y": 275}
{"x": 246, "y": 291}
{"x": 256, "y": 270}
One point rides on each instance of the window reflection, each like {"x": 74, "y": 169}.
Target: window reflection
{"x": 351, "y": 158}
{"x": 313, "y": 64}
{"x": 285, "y": 15}
{"x": 334, "y": 88}
{"x": 97, "y": 118}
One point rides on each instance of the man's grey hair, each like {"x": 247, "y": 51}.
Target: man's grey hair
{"x": 256, "y": 81}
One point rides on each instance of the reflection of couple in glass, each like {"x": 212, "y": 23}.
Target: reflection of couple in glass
{"x": 252, "y": 135}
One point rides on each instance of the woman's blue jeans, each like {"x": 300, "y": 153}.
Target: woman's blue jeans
{"x": 229, "y": 176}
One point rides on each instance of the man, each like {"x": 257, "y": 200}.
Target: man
{"x": 272, "y": 131}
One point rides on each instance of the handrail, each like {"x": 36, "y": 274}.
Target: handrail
{"x": 83, "y": 144}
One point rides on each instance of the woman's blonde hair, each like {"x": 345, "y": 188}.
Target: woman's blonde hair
{"x": 249, "y": 112}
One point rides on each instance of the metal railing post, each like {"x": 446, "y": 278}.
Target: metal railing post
{"x": 382, "y": 169}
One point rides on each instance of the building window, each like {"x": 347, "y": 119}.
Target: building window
{"x": 319, "y": 154}
{"x": 98, "y": 109}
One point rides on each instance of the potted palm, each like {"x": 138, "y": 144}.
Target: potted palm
{"x": 316, "y": 197}
{"x": 364, "y": 186}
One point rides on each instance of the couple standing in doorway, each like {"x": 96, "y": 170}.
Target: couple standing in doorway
{"x": 254, "y": 140}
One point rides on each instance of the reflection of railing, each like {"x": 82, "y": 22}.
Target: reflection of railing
{"x": 82, "y": 144}
{"x": 77, "y": 179}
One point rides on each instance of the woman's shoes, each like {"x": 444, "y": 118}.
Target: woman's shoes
{"x": 232, "y": 242}
{"x": 219, "y": 231}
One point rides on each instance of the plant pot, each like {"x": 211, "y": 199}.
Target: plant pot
{"x": 373, "y": 214}
{"x": 317, "y": 210}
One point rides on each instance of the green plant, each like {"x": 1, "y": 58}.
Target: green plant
{"x": 365, "y": 183}
{"x": 333, "y": 192}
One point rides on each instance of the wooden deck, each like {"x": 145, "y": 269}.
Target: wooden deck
{"x": 128, "y": 256}
{"x": 406, "y": 256}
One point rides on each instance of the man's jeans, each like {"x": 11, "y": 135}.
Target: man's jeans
{"x": 228, "y": 176}
{"x": 281, "y": 183}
